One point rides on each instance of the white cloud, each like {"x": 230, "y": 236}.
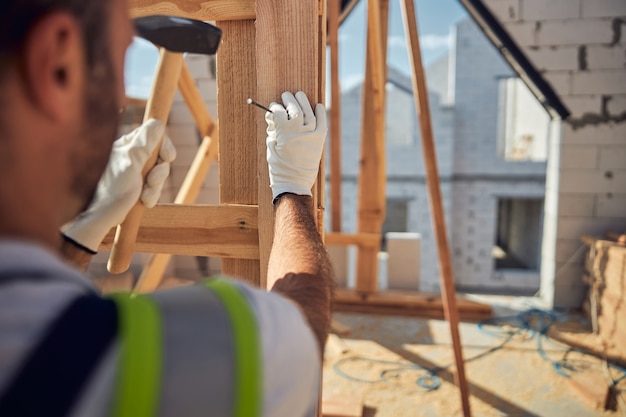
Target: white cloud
{"x": 426, "y": 41}
{"x": 350, "y": 81}
{"x": 344, "y": 37}
{"x": 435, "y": 41}
{"x": 396, "y": 42}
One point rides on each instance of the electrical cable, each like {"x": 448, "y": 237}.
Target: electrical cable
{"x": 527, "y": 325}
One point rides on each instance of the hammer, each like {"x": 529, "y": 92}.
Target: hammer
{"x": 173, "y": 36}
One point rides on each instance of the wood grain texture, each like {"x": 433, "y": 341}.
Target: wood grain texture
{"x": 287, "y": 59}
{"x": 236, "y": 82}
{"x": 334, "y": 7}
{"x": 195, "y": 9}
{"x": 158, "y": 107}
{"x": 420, "y": 94}
{"x": 319, "y": 188}
{"x": 372, "y": 176}
{"x": 154, "y": 268}
{"x": 228, "y": 231}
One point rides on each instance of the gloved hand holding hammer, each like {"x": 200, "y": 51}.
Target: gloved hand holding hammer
{"x": 122, "y": 184}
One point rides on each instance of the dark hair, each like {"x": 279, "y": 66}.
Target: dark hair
{"x": 18, "y": 16}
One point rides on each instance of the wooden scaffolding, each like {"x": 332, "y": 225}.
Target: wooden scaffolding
{"x": 271, "y": 46}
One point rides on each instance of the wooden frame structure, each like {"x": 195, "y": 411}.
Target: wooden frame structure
{"x": 267, "y": 47}
{"x": 372, "y": 179}
{"x": 270, "y": 46}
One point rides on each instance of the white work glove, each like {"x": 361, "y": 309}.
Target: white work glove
{"x": 295, "y": 141}
{"x": 122, "y": 184}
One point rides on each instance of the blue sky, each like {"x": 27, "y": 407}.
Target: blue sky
{"x": 435, "y": 18}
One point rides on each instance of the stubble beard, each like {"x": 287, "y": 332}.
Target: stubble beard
{"x": 97, "y": 133}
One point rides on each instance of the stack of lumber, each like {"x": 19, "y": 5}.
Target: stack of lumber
{"x": 605, "y": 272}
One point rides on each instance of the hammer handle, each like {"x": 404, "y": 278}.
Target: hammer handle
{"x": 158, "y": 107}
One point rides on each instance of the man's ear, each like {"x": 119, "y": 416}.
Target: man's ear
{"x": 54, "y": 66}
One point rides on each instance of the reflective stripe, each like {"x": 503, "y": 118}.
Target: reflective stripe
{"x": 140, "y": 336}
{"x": 247, "y": 348}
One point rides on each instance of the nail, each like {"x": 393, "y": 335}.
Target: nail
{"x": 250, "y": 101}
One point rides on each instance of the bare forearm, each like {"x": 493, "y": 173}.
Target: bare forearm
{"x": 74, "y": 254}
{"x": 299, "y": 267}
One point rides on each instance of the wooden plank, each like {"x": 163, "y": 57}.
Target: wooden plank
{"x": 405, "y": 311}
{"x": 372, "y": 176}
{"x": 420, "y": 94}
{"x": 158, "y": 107}
{"x": 334, "y": 7}
{"x": 228, "y": 231}
{"x": 408, "y": 299}
{"x": 360, "y": 239}
{"x": 155, "y": 266}
{"x": 319, "y": 188}
{"x": 287, "y": 59}
{"x": 195, "y": 9}
{"x": 238, "y": 154}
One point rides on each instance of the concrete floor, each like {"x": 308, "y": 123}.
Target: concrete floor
{"x": 512, "y": 381}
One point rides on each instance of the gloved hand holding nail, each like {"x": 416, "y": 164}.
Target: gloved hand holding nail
{"x": 122, "y": 184}
{"x": 295, "y": 141}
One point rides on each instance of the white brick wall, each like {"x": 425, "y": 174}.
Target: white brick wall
{"x": 599, "y": 82}
{"x": 603, "y": 8}
{"x": 579, "y": 156}
{"x": 560, "y": 81}
{"x": 506, "y": 10}
{"x": 604, "y": 57}
{"x": 593, "y": 181}
{"x": 561, "y": 59}
{"x": 581, "y": 205}
{"x": 550, "y": 9}
{"x": 579, "y": 44}
{"x": 525, "y": 33}
{"x": 574, "y": 32}
{"x": 583, "y": 104}
{"x": 613, "y": 157}
{"x": 611, "y": 205}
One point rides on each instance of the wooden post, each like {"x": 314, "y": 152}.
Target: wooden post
{"x": 287, "y": 59}
{"x": 372, "y": 178}
{"x": 158, "y": 107}
{"x": 152, "y": 273}
{"x": 334, "y": 7}
{"x": 420, "y": 94}
{"x": 236, "y": 82}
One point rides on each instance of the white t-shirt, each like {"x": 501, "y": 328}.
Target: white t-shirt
{"x": 45, "y": 285}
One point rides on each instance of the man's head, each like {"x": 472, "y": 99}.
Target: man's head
{"x": 61, "y": 88}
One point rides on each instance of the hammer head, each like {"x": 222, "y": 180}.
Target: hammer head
{"x": 177, "y": 34}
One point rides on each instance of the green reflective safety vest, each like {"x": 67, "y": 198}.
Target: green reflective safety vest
{"x": 158, "y": 353}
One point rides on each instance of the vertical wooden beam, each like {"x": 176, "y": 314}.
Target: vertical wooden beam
{"x": 334, "y": 7}
{"x": 319, "y": 189}
{"x": 287, "y": 59}
{"x": 420, "y": 94}
{"x": 238, "y": 154}
{"x": 372, "y": 178}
